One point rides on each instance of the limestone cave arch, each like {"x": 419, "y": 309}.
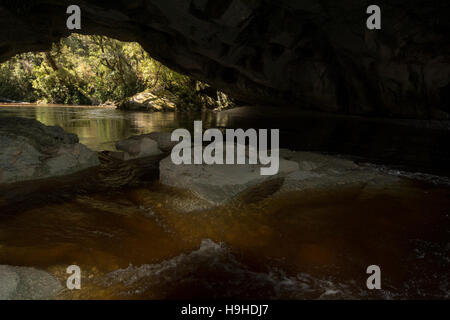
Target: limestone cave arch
{"x": 306, "y": 53}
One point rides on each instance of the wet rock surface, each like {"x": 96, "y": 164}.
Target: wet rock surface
{"x": 31, "y": 150}
{"x": 299, "y": 171}
{"x": 23, "y": 283}
{"x": 315, "y": 55}
{"x": 137, "y": 147}
{"x": 144, "y": 145}
{"x": 163, "y": 139}
{"x": 218, "y": 183}
{"x": 317, "y": 171}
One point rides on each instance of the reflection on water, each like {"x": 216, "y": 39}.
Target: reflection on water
{"x": 100, "y": 127}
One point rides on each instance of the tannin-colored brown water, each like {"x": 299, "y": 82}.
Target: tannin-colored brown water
{"x": 312, "y": 244}
{"x": 131, "y": 242}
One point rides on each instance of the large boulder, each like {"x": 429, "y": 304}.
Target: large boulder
{"x": 299, "y": 171}
{"x": 148, "y": 101}
{"x": 219, "y": 183}
{"x": 31, "y": 150}
{"x": 23, "y": 283}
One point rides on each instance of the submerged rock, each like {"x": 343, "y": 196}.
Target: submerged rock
{"x": 137, "y": 147}
{"x": 23, "y": 283}
{"x": 32, "y": 150}
{"x": 227, "y": 277}
{"x": 164, "y": 140}
{"x": 318, "y": 171}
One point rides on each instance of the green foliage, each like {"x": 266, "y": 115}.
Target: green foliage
{"x": 93, "y": 70}
{"x": 16, "y": 78}
{"x": 90, "y": 70}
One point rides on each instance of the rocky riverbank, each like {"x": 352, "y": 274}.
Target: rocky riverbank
{"x": 33, "y": 151}
{"x": 217, "y": 185}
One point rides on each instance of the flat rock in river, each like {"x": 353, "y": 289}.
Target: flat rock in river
{"x": 218, "y": 183}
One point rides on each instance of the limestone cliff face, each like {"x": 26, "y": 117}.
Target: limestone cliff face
{"x": 312, "y": 54}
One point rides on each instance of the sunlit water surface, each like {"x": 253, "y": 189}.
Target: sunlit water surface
{"x": 132, "y": 244}
{"x": 100, "y": 128}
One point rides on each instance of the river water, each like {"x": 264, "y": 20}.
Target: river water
{"x": 100, "y": 128}
{"x": 314, "y": 244}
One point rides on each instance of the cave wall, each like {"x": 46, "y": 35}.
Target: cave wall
{"x": 312, "y": 54}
